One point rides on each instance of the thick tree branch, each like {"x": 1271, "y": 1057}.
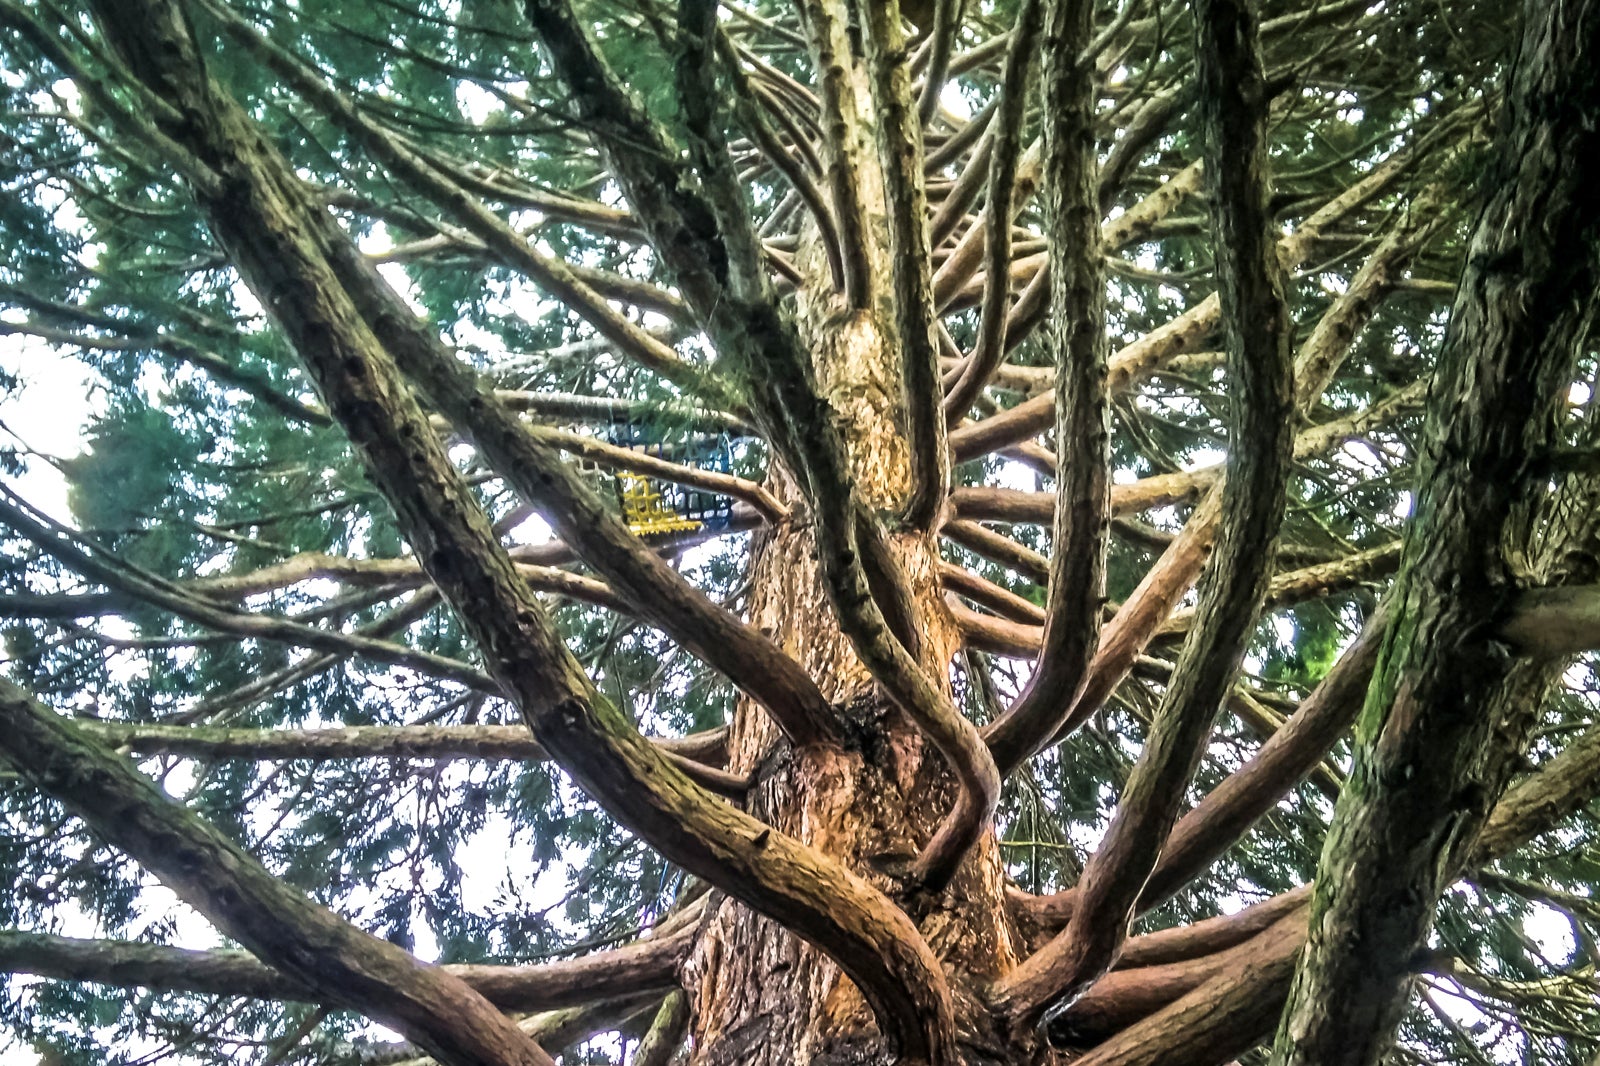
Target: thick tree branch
{"x": 1125, "y": 996}
{"x": 989, "y": 351}
{"x": 898, "y": 130}
{"x": 827, "y": 26}
{"x": 301, "y": 939}
{"x": 1560, "y": 787}
{"x": 1236, "y": 1011}
{"x": 1244, "y": 796}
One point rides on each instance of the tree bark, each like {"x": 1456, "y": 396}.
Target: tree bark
{"x": 761, "y": 996}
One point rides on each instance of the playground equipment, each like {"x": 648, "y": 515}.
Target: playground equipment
{"x": 652, "y": 505}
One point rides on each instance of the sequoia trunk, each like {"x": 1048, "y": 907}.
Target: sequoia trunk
{"x": 761, "y": 996}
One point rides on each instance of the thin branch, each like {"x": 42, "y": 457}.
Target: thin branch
{"x": 642, "y": 967}
{"x": 509, "y": 246}
{"x": 123, "y": 580}
{"x": 699, "y": 756}
{"x": 747, "y": 108}
{"x": 942, "y": 38}
{"x": 640, "y": 462}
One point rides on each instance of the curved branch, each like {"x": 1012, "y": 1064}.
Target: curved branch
{"x": 746, "y": 106}
{"x": 989, "y": 351}
{"x": 942, "y": 40}
{"x": 1236, "y": 1011}
{"x": 301, "y": 939}
{"x": 831, "y": 58}
{"x": 1183, "y": 334}
{"x": 899, "y": 136}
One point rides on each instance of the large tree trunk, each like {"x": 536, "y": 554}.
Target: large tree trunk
{"x": 761, "y": 996}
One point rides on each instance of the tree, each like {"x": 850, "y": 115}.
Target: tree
{"x": 1065, "y": 532}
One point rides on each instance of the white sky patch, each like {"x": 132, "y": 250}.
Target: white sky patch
{"x": 476, "y": 102}
{"x": 1014, "y": 475}
{"x": 376, "y": 241}
{"x": 955, "y": 102}
{"x": 46, "y": 413}
{"x": 535, "y": 530}
{"x": 400, "y": 281}
{"x": 1550, "y": 929}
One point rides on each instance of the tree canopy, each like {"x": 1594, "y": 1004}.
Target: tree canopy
{"x": 1080, "y": 518}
